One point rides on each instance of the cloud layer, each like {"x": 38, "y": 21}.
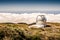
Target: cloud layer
{"x": 27, "y": 18}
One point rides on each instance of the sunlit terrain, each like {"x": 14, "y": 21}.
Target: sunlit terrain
{"x": 11, "y": 31}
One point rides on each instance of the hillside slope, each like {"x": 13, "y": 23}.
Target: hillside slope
{"x": 10, "y": 31}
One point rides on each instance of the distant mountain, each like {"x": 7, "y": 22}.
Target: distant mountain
{"x": 22, "y": 12}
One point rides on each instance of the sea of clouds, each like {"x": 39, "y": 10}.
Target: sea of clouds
{"x": 27, "y": 18}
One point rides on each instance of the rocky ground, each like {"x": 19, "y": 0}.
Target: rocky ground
{"x": 10, "y": 31}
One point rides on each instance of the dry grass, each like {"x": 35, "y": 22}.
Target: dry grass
{"x": 10, "y": 31}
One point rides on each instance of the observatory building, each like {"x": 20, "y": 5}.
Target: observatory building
{"x": 40, "y": 22}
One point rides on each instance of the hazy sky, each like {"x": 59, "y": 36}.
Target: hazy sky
{"x": 29, "y": 5}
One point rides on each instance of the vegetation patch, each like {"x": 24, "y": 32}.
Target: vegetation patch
{"x": 11, "y": 31}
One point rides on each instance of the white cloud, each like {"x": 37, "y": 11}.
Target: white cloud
{"x": 27, "y": 18}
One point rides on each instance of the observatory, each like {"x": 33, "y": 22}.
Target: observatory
{"x": 40, "y": 22}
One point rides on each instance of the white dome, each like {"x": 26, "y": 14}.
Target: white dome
{"x": 40, "y": 18}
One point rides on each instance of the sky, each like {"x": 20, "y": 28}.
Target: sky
{"x": 29, "y": 5}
